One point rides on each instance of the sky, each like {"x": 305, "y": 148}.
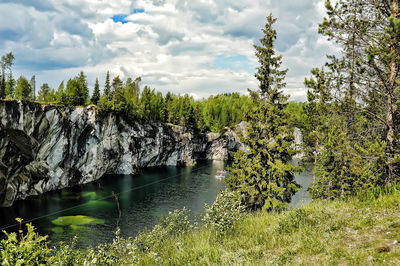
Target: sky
{"x": 200, "y": 47}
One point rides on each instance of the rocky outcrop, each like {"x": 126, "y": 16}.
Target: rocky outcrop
{"x": 44, "y": 148}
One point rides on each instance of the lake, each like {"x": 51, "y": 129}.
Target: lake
{"x": 91, "y": 211}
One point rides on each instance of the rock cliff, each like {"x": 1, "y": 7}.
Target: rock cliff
{"x": 44, "y": 148}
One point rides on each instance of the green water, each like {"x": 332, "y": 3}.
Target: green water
{"x": 91, "y": 211}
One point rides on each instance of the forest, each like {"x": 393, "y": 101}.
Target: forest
{"x": 127, "y": 98}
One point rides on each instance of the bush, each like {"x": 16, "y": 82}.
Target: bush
{"x": 223, "y": 213}
{"x": 24, "y": 249}
{"x": 120, "y": 251}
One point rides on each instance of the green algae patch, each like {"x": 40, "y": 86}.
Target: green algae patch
{"x": 76, "y": 220}
{"x": 57, "y": 230}
{"x": 93, "y": 204}
{"x": 76, "y": 227}
{"x": 92, "y": 195}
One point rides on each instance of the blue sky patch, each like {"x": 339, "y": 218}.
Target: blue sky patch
{"x": 138, "y": 10}
{"x": 237, "y": 62}
{"x": 120, "y": 18}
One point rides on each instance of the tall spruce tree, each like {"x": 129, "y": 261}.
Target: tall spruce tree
{"x": 107, "y": 87}
{"x": 262, "y": 174}
{"x": 96, "y": 93}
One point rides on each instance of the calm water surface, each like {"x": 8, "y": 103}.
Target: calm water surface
{"x": 90, "y": 211}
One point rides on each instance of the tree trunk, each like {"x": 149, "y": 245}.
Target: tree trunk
{"x": 391, "y": 101}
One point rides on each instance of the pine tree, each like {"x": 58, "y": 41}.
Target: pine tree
{"x": 60, "y": 94}
{"x": 96, "y": 93}
{"x": 262, "y": 174}
{"x": 82, "y": 90}
{"x": 118, "y": 94}
{"x": 107, "y": 87}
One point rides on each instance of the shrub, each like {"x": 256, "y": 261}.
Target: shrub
{"x": 120, "y": 251}
{"x": 24, "y": 249}
{"x": 175, "y": 224}
{"x": 223, "y": 213}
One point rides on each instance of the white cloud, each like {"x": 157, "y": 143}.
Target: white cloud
{"x": 174, "y": 44}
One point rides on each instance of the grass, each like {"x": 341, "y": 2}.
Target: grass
{"x": 352, "y": 232}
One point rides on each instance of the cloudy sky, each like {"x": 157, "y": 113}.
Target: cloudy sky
{"x": 201, "y": 47}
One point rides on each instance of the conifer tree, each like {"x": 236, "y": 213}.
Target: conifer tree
{"x": 44, "y": 94}
{"x": 119, "y": 101}
{"x": 107, "y": 87}
{"x": 60, "y": 94}
{"x": 262, "y": 174}
{"x": 10, "y": 86}
{"x": 23, "y": 90}
{"x": 96, "y": 93}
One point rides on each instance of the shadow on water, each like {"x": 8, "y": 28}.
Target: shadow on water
{"x": 90, "y": 211}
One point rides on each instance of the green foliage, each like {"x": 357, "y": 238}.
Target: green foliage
{"x": 76, "y": 91}
{"x": 294, "y": 112}
{"x": 119, "y": 252}
{"x": 176, "y": 223}
{"x": 24, "y": 249}
{"x": 96, "y": 93}
{"x": 60, "y": 94}
{"x": 23, "y": 90}
{"x": 221, "y": 216}
{"x": 10, "y": 87}
{"x": 263, "y": 174}
{"x": 107, "y": 87}
{"x": 351, "y": 118}
{"x": 6, "y": 63}
{"x": 104, "y": 104}
{"x": 46, "y": 94}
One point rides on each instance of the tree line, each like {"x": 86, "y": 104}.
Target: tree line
{"x": 128, "y": 98}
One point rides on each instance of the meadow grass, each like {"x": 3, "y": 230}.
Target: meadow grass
{"x": 351, "y": 232}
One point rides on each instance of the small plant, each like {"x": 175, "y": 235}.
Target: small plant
{"x": 66, "y": 254}
{"x": 223, "y": 213}
{"x": 120, "y": 251}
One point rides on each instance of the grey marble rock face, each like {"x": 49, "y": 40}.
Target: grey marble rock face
{"x": 44, "y": 148}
